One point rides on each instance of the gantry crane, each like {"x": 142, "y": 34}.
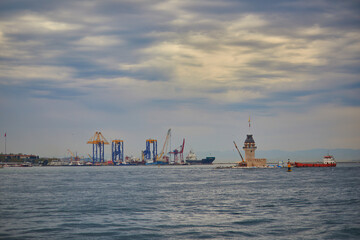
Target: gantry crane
{"x": 146, "y": 154}
{"x": 179, "y": 151}
{"x": 98, "y": 141}
{"x": 117, "y": 151}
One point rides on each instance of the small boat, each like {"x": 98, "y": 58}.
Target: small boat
{"x": 26, "y": 164}
{"x": 191, "y": 159}
{"x": 328, "y": 161}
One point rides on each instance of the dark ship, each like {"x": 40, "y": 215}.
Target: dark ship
{"x": 192, "y": 159}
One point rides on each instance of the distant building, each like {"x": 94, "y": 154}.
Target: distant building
{"x": 249, "y": 148}
{"x": 20, "y": 156}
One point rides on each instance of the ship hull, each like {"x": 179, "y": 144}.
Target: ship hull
{"x": 205, "y": 161}
{"x": 157, "y": 163}
{"x": 315, "y": 164}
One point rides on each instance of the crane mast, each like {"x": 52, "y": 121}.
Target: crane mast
{"x": 165, "y": 147}
{"x": 239, "y": 152}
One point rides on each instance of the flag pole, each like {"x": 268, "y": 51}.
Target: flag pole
{"x": 249, "y": 125}
{"x": 5, "y": 143}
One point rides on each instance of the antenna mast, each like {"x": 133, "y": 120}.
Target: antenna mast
{"x": 249, "y": 125}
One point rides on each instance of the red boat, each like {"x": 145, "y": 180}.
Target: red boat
{"x": 328, "y": 161}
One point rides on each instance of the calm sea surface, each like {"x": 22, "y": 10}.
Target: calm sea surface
{"x": 179, "y": 202}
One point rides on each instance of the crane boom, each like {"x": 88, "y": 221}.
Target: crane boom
{"x": 239, "y": 151}
{"x": 98, "y": 138}
{"x": 182, "y": 146}
{"x": 72, "y": 155}
{"x": 166, "y": 143}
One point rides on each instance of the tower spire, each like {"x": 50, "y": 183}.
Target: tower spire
{"x": 5, "y": 142}
{"x": 249, "y": 124}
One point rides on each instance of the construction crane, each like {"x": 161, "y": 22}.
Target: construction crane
{"x": 72, "y": 155}
{"x": 74, "y": 159}
{"x": 179, "y": 151}
{"x": 242, "y": 162}
{"x": 161, "y": 157}
{"x": 239, "y": 151}
{"x": 117, "y": 151}
{"x": 98, "y": 141}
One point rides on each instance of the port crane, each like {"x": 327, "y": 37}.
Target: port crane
{"x": 98, "y": 141}
{"x": 117, "y": 151}
{"x": 162, "y": 156}
{"x": 179, "y": 151}
{"x": 146, "y": 154}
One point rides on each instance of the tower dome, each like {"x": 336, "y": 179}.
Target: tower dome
{"x": 249, "y": 139}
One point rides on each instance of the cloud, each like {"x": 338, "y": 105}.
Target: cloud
{"x": 98, "y": 41}
{"x": 226, "y": 54}
{"x": 33, "y": 23}
{"x": 193, "y": 65}
{"x": 23, "y": 73}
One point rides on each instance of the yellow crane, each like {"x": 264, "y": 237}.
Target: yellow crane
{"x": 165, "y": 147}
{"x": 98, "y": 141}
{"x": 74, "y": 158}
{"x": 72, "y": 155}
{"x": 98, "y": 138}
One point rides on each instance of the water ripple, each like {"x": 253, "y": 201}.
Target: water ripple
{"x": 180, "y": 202}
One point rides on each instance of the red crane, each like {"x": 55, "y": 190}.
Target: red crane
{"x": 179, "y": 151}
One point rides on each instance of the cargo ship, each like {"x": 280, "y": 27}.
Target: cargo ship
{"x": 191, "y": 159}
{"x": 328, "y": 161}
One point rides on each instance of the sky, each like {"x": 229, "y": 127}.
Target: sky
{"x": 133, "y": 69}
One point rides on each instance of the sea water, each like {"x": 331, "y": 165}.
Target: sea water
{"x": 179, "y": 202}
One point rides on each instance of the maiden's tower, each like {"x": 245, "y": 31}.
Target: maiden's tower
{"x": 249, "y": 148}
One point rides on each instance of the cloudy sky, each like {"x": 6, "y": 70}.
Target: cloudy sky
{"x": 133, "y": 69}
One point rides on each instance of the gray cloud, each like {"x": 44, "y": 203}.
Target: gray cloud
{"x": 141, "y": 57}
{"x": 88, "y": 45}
